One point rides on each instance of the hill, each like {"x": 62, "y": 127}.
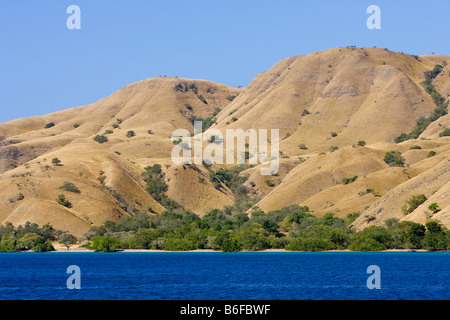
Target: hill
{"x": 338, "y": 113}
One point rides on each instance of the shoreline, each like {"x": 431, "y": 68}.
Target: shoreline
{"x": 83, "y": 250}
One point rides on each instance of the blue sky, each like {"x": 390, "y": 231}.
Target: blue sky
{"x": 47, "y": 67}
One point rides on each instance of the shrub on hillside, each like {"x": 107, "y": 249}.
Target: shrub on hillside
{"x": 349, "y": 180}
{"x": 63, "y": 201}
{"x": 394, "y": 159}
{"x": 333, "y": 148}
{"x": 412, "y": 203}
{"x": 69, "y": 186}
{"x": 101, "y": 138}
{"x": 445, "y": 133}
{"x": 56, "y": 161}
{"x": 431, "y": 154}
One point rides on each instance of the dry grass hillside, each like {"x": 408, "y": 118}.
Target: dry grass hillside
{"x": 323, "y": 103}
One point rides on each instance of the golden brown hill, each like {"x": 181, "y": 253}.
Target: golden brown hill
{"x": 335, "y": 98}
{"x": 151, "y": 109}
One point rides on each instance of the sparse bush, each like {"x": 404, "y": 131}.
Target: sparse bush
{"x": 56, "y": 161}
{"x": 445, "y": 133}
{"x": 394, "y": 159}
{"x": 412, "y": 203}
{"x": 101, "y": 138}
{"x": 361, "y": 143}
{"x": 367, "y": 191}
{"x": 433, "y": 207}
{"x": 431, "y": 154}
{"x": 157, "y": 187}
{"x": 430, "y": 75}
{"x": 76, "y": 125}
{"x": 353, "y": 216}
{"x": 69, "y": 186}
{"x": 415, "y": 147}
{"x": 349, "y": 180}
{"x": 101, "y": 179}
{"x": 440, "y": 110}
{"x": 131, "y": 134}
{"x": 302, "y": 146}
{"x": 269, "y": 182}
{"x": 63, "y": 201}
{"x": 193, "y": 87}
{"x": 49, "y": 125}
{"x": 202, "y": 99}
{"x": 206, "y": 123}
{"x": 333, "y": 148}
{"x": 216, "y": 112}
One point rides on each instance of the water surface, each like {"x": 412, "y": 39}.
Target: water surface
{"x": 225, "y": 276}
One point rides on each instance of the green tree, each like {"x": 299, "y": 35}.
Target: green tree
{"x": 105, "y": 243}
{"x": 308, "y": 244}
{"x": 8, "y": 243}
{"x": 231, "y": 245}
{"x": 67, "y": 240}
{"x": 435, "y": 237}
{"x": 253, "y": 238}
{"x": 27, "y": 241}
{"x": 366, "y": 244}
{"x": 415, "y": 235}
{"x": 41, "y": 245}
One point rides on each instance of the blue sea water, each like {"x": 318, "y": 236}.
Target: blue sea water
{"x": 225, "y": 276}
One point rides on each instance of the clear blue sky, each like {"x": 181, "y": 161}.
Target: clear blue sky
{"x": 46, "y": 67}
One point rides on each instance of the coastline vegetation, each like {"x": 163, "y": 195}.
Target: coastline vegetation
{"x": 293, "y": 228}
